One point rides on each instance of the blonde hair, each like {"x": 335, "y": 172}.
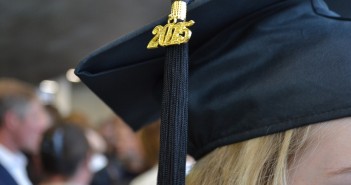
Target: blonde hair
{"x": 260, "y": 161}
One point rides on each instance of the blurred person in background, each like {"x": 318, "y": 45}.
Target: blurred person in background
{"x": 23, "y": 119}
{"x": 97, "y": 143}
{"x": 34, "y": 167}
{"x": 65, "y": 154}
{"x": 54, "y": 114}
{"x": 79, "y": 118}
{"x": 150, "y": 139}
{"x": 124, "y": 153}
{"x": 128, "y": 147}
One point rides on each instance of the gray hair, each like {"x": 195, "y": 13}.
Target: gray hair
{"x": 15, "y": 96}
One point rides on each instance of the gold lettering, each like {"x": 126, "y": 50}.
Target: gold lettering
{"x": 154, "y": 41}
{"x": 171, "y": 34}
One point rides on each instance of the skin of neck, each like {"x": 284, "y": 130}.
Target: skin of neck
{"x": 7, "y": 140}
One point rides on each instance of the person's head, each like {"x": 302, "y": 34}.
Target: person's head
{"x": 96, "y": 141}
{"x": 22, "y": 116}
{"x": 79, "y": 118}
{"x": 315, "y": 154}
{"x": 150, "y": 140}
{"x": 127, "y": 146}
{"x": 54, "y": 114}
{"x": 259, "y": 70}
{"x": 260, "y": 161}
{"x": 65, "y": 153}
{"x": 107, "y": 130}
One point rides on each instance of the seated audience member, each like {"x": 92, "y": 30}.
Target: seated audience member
{"x": 54, "y": 114}
{"x": 150, "y": 139}
{"x": 34, "y": 167}
{"x": 22, "y": 122}
{"x": 125, "y": 160}
{"x": 96, "y": 141}
{"x": 128, "y": 147}
{"x": 65, "y": 155}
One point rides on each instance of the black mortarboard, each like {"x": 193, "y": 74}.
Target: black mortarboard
{"x": 256, "y": 67}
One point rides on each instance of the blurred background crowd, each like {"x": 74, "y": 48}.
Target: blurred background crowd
{"x": 38, "y": 145}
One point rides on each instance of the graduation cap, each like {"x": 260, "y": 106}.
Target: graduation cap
{"x": 255, "y": 68}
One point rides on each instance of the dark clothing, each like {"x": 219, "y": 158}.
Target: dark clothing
{"x": 113, "y": 174}
{"x": 5, "y": 177}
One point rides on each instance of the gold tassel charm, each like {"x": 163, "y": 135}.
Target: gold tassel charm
{"x": 175, "y": 31}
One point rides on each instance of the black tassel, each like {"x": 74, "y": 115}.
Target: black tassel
{"x": 174, "y": 117}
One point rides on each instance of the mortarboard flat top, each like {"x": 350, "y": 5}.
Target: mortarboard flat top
{"x": 256, "y": 68}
